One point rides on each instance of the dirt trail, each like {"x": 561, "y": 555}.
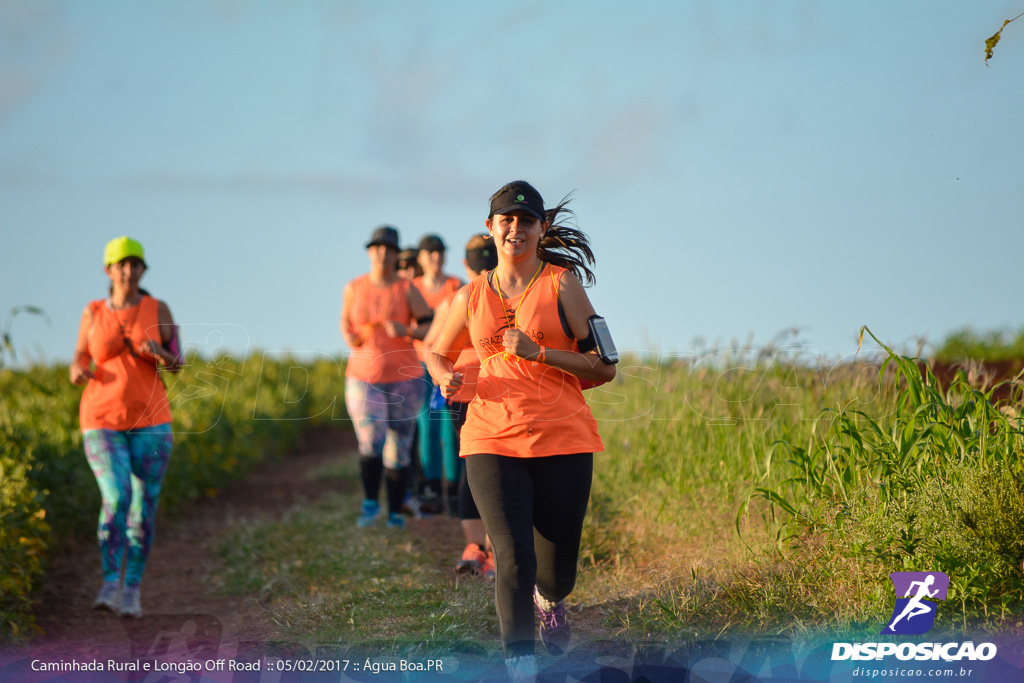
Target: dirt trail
{"x": 175, "y": 589}
{"x": 176, "y": 595}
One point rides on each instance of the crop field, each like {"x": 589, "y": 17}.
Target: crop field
{"x": 741, "y": 491}
{"x": 228, "y": 415}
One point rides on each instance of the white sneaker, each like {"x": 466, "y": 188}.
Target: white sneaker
{"x": 522, "y": 669}
{"x": 109, "y": 598}
{"x": 131, "y": 605}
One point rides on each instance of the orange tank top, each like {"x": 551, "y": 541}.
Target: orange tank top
{"x": 434, "y": 299}
{"x": 381, "y": 359}
{"x": 524, "y": 409}
{"x": 468, "y": 363}
{"x": 127, "y": 392}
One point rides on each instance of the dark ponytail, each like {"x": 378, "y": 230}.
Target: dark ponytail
{"x": 566, "y": 245}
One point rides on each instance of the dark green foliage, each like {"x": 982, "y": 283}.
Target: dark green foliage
{"x": 24, "y": 532}
{"x": 993, "y": 345}
{"x": 228, "y": 415}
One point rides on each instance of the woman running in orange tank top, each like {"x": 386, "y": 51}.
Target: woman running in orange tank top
{"x": 477, "y": 557}
{"x": 383, "y": 376}
{"x": 434, "y": 433}
{"x": 530, "y": 480}
{"x": 123, "y": 343}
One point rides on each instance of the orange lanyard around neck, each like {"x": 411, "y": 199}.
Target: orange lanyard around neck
{"x": 514, "y": 321}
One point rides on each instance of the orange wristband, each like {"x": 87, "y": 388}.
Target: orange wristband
{"x": 542, "y": 355}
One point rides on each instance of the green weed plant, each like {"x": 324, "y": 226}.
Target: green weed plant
{"x": 933, "y": 485}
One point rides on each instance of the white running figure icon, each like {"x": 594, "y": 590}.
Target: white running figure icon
{"x": 915, "y": 607}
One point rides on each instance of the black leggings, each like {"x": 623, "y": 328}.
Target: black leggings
{"x": 467, "y": 506}
{"x": 533, "y": 509}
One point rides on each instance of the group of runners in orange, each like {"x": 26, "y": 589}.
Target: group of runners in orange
{"x": 496, "y": 366}
{"x": 505, "y": 356}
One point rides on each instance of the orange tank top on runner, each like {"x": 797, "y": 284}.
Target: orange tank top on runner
{"x": 468, "y": 363}
{"x": 523, "y": 408}
{"x": 434, "y": 299}
{"x": 127, "y": 392}
{"x": 381, "y": 359}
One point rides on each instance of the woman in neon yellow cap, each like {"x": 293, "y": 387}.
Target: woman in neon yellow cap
{"x": 123, "y": 342}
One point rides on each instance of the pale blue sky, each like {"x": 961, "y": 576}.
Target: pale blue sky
{"x": 741, "y": 167}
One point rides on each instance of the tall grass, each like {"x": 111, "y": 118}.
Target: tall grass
{"x": 770, "y": 494}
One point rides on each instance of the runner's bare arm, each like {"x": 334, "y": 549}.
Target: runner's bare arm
{"x": 420, "y": 309}
{"x": 79, "y": 371}
{"x": 437, "y": 323}
{"x": 353, "y": 337}
{"x": 170, "y": 361}
{"x": 452, "y": 338}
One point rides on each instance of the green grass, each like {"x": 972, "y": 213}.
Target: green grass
{"x": 323, "y": 581}
{"x": 686, "y": 443}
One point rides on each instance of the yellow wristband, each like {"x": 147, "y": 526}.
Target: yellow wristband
{"x": 542, "y": 355}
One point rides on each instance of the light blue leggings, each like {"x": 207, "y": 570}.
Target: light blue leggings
{"x": 129, "y": 467}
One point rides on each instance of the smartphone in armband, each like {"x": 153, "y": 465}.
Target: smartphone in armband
{"x": 603, "y": 338}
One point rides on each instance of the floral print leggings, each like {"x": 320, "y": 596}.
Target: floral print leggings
{"x": 129, "y": 467}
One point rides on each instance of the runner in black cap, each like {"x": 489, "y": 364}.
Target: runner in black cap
{"x": 378, "y": 322}
{"x": 529, "y": 436}
{"x": 434, "y": 433}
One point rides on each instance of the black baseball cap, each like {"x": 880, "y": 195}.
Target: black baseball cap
{"x": 385, "y": 235}
{"x": 431, "y": 243}
{"x": 407, "y": 257}
{"x": 482, "y": 258}
{"x": 518, "y": 195}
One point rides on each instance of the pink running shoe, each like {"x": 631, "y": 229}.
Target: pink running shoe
{"x": 473, "y": 558}
{"x": 487, "y": 568}
{"x": 554, "y": 626}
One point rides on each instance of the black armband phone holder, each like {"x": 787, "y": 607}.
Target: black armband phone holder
{"x": 601, "y": 339}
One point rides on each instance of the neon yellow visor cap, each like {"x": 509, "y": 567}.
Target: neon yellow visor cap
{"x": 121, "y": 248}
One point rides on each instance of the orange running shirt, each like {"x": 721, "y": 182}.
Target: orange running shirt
{"x": 127, "y": 392}
{"x": 468, "y": 363}
{"x": 447, "y": 291}
{"x": 381, "y": 359}
{"x": 434, "y": 299}
{"x": 524, "y": 409}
